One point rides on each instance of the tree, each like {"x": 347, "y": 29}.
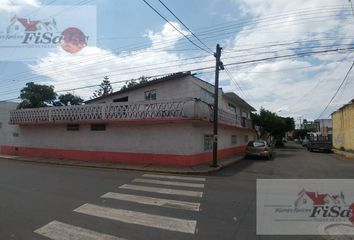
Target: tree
{"x": 272, "y": 125}
{"x": 69, "y": 99}
{"x": 36, "y": 95}
{"x": 300, "y": 133}
{"x": 105, "y": 88}
{"x": 132, "y": 83}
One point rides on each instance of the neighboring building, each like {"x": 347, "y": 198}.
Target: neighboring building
{"x": 343, "y": 127}
{"x": 164, "y": 121}
{"x": 324, "y": 127}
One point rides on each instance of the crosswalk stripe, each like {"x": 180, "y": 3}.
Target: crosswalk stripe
{"x": 149, "y": 220}
{"x": 174, "y": 177}
{"x": 61, "y": 231}
{"x": 162, "y": 190}
{"x": 153, "y": 201}
{"x": 181, "y": 184}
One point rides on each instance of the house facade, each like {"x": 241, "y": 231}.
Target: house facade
{"x": 343, "y": 127}
{"x": 164, "y": 121}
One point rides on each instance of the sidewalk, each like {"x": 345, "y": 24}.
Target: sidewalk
{"x": 199, "y": 169}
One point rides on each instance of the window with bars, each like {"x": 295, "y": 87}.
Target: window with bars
{"x": 72, "y": 127}
{"x": 98, "y": 127}
{"x": 208, "y": 142}
{"x": 150, "y": 95}
{"x": 233, "y": 139}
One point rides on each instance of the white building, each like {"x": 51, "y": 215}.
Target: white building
{"x": 164, "y": 121}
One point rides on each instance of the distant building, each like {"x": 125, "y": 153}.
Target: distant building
{"x": 163, "y": 121}
{"x": 308, "y": 125}
{"x": 324, "y": 127}
{"x": 343, "y": 127}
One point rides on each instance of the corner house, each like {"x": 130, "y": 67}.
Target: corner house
{"x": 164, "y": 121}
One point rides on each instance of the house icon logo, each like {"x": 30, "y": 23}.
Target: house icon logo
{"x": 307, "y": 199}
{"x": 325, "y": 205}
{"x": 20, "y": 25}
{"x": 45, "y": 33}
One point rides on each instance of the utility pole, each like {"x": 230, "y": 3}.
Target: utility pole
{"x": 219, "y": 65}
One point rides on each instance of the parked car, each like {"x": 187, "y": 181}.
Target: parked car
{"x": 259, "y": 148}
{"x": 320, "y": 143}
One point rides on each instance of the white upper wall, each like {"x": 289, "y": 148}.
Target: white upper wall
{"x": 178, "y": 88}
{"x": 185, "y": 87}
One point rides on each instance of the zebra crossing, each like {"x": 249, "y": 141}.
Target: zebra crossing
{"x": 167, "y": 194}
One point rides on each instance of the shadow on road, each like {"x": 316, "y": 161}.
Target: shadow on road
{"x": 283, "y": 155}
{"x": 236, "y": 168}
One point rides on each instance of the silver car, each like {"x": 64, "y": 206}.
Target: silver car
{"x": 259, "y": 148}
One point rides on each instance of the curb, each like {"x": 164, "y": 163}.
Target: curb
{"x": 347, "y": 155}
{"x": 107, "y": 165}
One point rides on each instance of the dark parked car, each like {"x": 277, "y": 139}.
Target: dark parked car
{"x": 259, "y": 148}
{"x": 320, "y": 143}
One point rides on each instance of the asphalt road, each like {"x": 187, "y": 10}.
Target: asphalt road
{"x": 62, "y": 202}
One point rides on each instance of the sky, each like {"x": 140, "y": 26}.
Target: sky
{"x": 266, "y": 46}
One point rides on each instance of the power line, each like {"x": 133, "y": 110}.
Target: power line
{"x": 351, "y": 5}
{"x": 295, "y": 42}
{"x": 235, "y": 82}
{"x": 143, "y": 69}
{"x": 175, "y": 27}
{"x": 335, "y": 94}
{"x": 288, "y": 56}
{"x": 186, "y": 27}
{"x": 246, "y": 55}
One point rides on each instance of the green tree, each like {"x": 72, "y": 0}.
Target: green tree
{"x": 300, "y": 133}
{"x": 37, "y": 95}
{"x": 69, "y": 99}
{"x": 272, "y": 125}
{"x": 105, "y": 88}
{"x": 132, "y": 83}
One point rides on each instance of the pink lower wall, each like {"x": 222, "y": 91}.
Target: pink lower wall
{"x": 122, "y": 157}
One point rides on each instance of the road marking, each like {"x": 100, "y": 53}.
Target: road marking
{"x": 182, "y": 184}
{"x": 162, "y": 190}
{"x": 174, "y": 177}
{"x": 61, "y": 231}
{"x": 139, "y": 218}
{"x": 153, "y": 201}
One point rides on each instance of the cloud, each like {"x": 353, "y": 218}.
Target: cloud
{"x": 16, "y": 5}
{"x": 88, "y": 67}
{"x": 291, "y": 87}
{"x": 274, "y": 85}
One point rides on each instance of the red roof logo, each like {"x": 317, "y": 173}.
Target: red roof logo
{"x": 28, "y": 24}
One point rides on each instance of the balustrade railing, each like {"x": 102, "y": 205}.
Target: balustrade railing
{"x": 164, "y": 109}
{"x": 91, "y": 112}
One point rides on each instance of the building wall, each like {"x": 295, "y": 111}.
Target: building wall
{"x": 186, "y": 87}
{"x": 343, "y": 128}
{"x": 171, "y": 143}
{"x": 178, "y": 88}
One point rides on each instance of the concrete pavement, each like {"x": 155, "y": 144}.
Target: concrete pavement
{"x": 199, "y": 169}
{"x": 38, "y": 200}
